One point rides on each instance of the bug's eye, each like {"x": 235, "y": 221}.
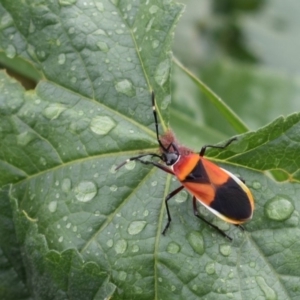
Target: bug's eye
{"x": 170, "y": 158}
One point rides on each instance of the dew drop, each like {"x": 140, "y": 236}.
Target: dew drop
{"x": 52, "y": 206}
{"x": 153, "y": 9}
{"x": 61, "y": 59}
{"x": 66, "y": 185}
{"x": 155, "y": 44}
{"x": 173, "y": 248}
{"x": 73, "y": 79}
{"x": 100, "y": 6}
{"x": 135, "y": 248}
{"x": 130, "y": 165}
{"x": 149, "y": 25}
{"x": 210, "y": 268}
{"x": 43, "y": 161}
{"x": 181, "y": 197}
{"x": 252, "y": 264}
{"x": 121, "y": 246}
{"x": 154, "y": 183}
{"x": 122, "y": 276}
{"x": 196, "y": 241}
{"x": 256, "y": 185}
{"x": 269, "y": 293}
{"x": 113, "y": 188}
{"x": 110, "y": 243}
{"x": 25, "y": 138}
{"x": 61, "y": 238}
{"x": 279, "y": 208}
{"x": 10, "y": 51}
{"x": 162, "y": 72}
{"x": 225, "y": 249}
{"x": 113, "y": 169}
{"x": 136, "y": 227}
{"x": 231, "y": 275}
{"x": 68, "y": 225}
{"x": 53, "y": 111}
{"x": 125, "y": 87}
{"x": 100, "y": 32}
{"x": 85, "y": 191}
{"x": 74, "y": 228}
{"x": 146, "y": 213}
{"x": 103, "y": 46}
{"x": 67, "y": 2}
{"x": 102, "y": 125}
{"x": 97, "y": 213}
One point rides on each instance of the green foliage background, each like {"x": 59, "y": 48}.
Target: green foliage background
{"x": 71, "y": 227}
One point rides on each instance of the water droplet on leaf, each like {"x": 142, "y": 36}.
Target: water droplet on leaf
{"x": 181, "y": 197}
{"x": 67, "y": 2}
{"x": 162, "y": 72}
{"x": 210, "y": 268}
{"x": 52, "y": 206}
{"x": 61, "y": 59}
{"x": 121, "y": 246}
{"x": 102, "y": 125}
{"x": 85, "y": 191}
{"x": 279, "y": 208}
{"x": 173, "y": 248}
{"x": 136, "y": 227}
{"x": 125, "y": 87}
{"x": 225, "y": 249}
{"x": 153, "y": 9}
{"x": 66, "y": 185}
{"x": 103, "y": 46}
{"x": 196, "y": 241}
{"x": 268, "y": 291}
{"x": 25, "y": 138}
{"x": 53, "y": 111}
{"x": 10, "y": 51}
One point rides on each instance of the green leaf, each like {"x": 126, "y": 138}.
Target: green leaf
{"x": 74, "y": 227}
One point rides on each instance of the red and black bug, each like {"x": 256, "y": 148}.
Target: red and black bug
{"x": 220, "y": 191}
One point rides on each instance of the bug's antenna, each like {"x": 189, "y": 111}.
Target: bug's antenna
{"x": 156, "y": 122}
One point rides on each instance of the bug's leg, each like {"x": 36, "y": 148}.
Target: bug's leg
{"x": 155, "y": 164}
{"x": 172, "y": 194}
{"x": 196, "y": 213}
{"x": 203, "y": 149}
{"x": 240, "y": 226}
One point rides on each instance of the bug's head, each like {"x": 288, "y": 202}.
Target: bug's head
{"x": 170, "y": 157}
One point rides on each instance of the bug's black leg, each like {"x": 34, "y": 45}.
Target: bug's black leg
{"x": 203, "y": 149}
{"x": 172, "y": 194}
{"x": 155, "y": 164}
{"x": 196, "y": 213}
{"x": 240, "y": 226}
